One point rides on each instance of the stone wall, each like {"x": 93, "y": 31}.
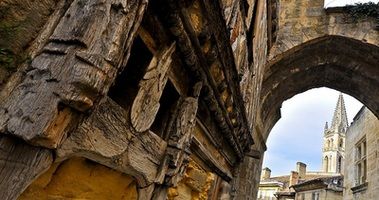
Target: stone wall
{"x": 365, "y": 124}
{"x": 302, "y": 57}
{"x": 304, "y": 20}
{"x": 323, "y": 195}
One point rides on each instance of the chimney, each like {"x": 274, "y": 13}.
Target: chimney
{"x": 294, "y": 178}
{"x": 266, "y": 173}
{"x": 301, "y": 168}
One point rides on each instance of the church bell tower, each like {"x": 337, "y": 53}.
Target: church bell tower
{"x": 333, "y": 151}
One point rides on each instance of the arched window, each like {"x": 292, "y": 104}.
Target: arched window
{"x": 341, "y": 143}
{"x": 326, "y": 164}
{"x": 339, "y": 164}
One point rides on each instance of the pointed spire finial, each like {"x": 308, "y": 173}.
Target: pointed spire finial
{"x": 339, "y": 122}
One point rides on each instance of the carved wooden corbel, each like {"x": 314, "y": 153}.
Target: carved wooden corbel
{"x": 146, "y": 104}
{"x": 180, "y": 137}
{"x": 106, "y": 137}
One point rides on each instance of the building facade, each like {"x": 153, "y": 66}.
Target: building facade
{"x": 325, "y": 188}
{"x": 362, "y": 162}
{"x": 283, "y": 187}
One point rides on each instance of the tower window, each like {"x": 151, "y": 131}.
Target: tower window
{"x": 326, "y": 164}
{"x": 315, "y": 196}
{"x": 339, "y": 164}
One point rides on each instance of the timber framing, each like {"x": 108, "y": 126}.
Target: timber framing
{"x": 129, "y": 94}
{"x": 237, "y": 134}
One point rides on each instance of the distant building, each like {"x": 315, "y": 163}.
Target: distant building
{"x": 323, "y": 185}
{"x": 281, "y": 187}
{"x": 323, "y": 188}
{"x": 269, "y": 187}
{"x": 333, "y": 151}
{"x": 361, "y": 168}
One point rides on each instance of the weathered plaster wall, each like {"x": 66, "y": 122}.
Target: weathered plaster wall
{"x": 195, "y": 184}
{"x": 78, "y": 178}
{"x": 365, "y": 125}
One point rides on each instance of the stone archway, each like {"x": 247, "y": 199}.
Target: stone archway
{"x": 337, "y": 62}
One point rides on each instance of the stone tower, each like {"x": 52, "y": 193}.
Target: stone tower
{"x": 333, "y": 151}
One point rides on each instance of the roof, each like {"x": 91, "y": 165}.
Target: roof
{"x": 334, "y": 183}
{"x": 285, "y": 194}
{"x": 284, "y": 180}
{"x": 271, "y": 184}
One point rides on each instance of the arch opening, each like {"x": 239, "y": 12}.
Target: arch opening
{"x": 336, "y": 62}
{"x": 302, "y": 136}
{"x": 344, "y": 64}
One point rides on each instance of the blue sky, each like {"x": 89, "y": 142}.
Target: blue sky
{"x": 297, "y": 136}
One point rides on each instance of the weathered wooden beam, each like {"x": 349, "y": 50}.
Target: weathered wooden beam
{"x": 254, "y": 154}
{"x": 75, "y": 68}
{"x": 217, "y": 142}
{"x": 20, "y": 164}
{"x": 146, "y": 104}
{"x": 198, "y": 149}
{"x": 223, "y": 121}
{"x": 225, "y": 52}
{"x": 106, "y": 137}
{"x": 194, "y": 58}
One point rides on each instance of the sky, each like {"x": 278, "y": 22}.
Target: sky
{"x": 297, "y": 136}
{"x": 336, "y": 3}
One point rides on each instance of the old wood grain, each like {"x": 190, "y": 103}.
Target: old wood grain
{"x": 106, "y": 137}
{"x": 76, "y": 67}
{"x": 20, "y": 164}
{"x": 146, "y": 104}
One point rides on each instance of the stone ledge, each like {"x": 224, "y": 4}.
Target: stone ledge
{"x": 360, "y": 188}
{"x": 340, "y": 9}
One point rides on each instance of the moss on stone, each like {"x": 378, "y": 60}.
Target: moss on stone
{"x": 363, "y": 10}
{"x": 7, "y": 59}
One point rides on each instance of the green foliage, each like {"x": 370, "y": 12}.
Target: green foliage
{"x": 363, "y": 10}
{"x": 7, "y": 59}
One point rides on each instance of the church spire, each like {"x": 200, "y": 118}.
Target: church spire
{"x": 339, "y": 122}
{"x": 326, "y": 128}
